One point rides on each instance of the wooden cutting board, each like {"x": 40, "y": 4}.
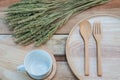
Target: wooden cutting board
{"x": 110, "y": 49}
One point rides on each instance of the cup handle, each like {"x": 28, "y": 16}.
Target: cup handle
{"x": 21, "y": 68}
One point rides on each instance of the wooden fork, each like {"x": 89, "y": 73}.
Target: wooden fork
{"x": 98, "y": 36}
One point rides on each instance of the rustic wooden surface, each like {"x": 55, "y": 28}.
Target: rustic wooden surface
{"x": 17, "y": 59}
{"x": 109, "y": 49}
{"x": 56, "y": 43}
{"x": 112, "y": 7}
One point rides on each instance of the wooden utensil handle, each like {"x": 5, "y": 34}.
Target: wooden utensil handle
{"x": 99, "y": 62}
{"x": 86, "y": 59}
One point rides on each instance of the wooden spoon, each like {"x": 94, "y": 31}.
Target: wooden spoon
{"x": 85, "y": 30}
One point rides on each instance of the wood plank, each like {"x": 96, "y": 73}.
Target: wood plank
{"x": 4, "y": 3}
{"x": 60, "y": 58}
{"x": 11, "y": 57}
{"x": 65, "y": 29}
{"x": 112, "y": 7}
{"x": 63, "y": 72}
{"x": 111, "y": 4}
{"x": 56, "y": 44}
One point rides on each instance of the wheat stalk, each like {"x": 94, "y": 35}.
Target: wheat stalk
{"x": 37, "y": 20}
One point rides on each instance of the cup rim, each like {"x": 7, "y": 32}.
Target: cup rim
{"x": 43, "y": 52}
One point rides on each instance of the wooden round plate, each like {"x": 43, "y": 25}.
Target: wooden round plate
{"x": 110, "y": 49}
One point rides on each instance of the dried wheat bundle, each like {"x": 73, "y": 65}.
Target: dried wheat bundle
{"x": 35, "y": 21}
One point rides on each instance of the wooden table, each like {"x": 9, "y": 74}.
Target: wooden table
{"x": 56, "y": 43}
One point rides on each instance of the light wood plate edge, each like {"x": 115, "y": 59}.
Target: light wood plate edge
{"x": 70, "y": 63}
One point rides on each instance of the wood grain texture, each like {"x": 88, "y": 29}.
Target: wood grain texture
{"x": 63, "y": 73}
{"x": 11, "y": 57}
{"x": 5, "y": 3}
{"x": 65, "y": 29}
{"x": 56, "y": 44}
{"x": 110, "y": 49}
{"x": 111, "y": 4}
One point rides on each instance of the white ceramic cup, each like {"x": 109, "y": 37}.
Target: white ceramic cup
{"x": 37, "y": 63}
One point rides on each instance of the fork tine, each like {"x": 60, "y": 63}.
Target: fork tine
{"x": 99, "y": 28}
{"x": 94, "y": 28}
